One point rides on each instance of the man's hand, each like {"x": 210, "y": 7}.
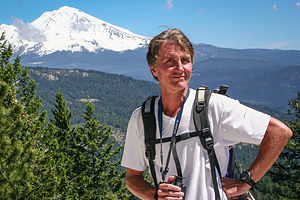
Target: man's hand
{"x": 234, "y": 188}
{"x": 169, "y": 191}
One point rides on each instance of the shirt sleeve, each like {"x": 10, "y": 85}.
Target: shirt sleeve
{"x": 239, "y": 123}
{"x": 134, "y": 150}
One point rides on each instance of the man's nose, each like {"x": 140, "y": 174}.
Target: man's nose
{"x": 179, "y": 65}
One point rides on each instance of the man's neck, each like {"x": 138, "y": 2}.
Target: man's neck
{"x": 172, "y": 101}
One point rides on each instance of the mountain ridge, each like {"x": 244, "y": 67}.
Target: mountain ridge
{"x": 69, "y": 29}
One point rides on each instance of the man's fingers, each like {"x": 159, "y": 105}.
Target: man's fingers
{"x": 169, "y": 191}
{"x": 169, "y": 187}
{"x": 169, "y": 194}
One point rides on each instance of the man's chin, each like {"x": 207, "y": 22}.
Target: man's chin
{"x": 181, "y": 84}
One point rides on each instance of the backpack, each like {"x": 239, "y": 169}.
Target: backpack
{"x": 200, "y": 115}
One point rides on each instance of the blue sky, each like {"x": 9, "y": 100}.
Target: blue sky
{"x": 225, "y": 23}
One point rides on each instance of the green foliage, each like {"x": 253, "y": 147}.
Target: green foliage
{"x": 13, "y": 168}
{"x": 81, "y": 159}
{"x": 62, "y": 116}
{"x": 285, "y": 172}
{"x": 244, "y": 155}
{"x": 21, "y": 125}
{"x": 94, "y": 143}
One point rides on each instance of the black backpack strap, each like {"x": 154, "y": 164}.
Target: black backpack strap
{"x": 150, "y": 134}
{"x": 178, "y": 138}
{"x": 200, "y": 114}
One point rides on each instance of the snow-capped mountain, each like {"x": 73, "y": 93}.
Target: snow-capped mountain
{"x": 69, "y": 29}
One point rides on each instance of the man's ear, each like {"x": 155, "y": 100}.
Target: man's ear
{"x": 153, "y": 70}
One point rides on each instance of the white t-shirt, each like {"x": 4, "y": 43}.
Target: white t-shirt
{"x": 230, "y": 123}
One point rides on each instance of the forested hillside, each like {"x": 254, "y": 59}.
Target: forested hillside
{"x": 114, "y": 96}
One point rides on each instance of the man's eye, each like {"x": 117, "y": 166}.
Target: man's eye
{"x": 185, "y": 60}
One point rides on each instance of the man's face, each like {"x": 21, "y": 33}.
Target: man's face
{"x": 174, "y": 66}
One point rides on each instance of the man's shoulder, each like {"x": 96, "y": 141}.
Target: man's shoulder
{"x": 137, "y": 112}
{"x": 221, "y": 100}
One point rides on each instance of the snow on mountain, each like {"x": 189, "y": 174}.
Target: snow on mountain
{"x": 69, "y": 29}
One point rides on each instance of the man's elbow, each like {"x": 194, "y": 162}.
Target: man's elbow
{"x": 278, "y": 130}
{"x": 288, "y": 133}
{"x": 285, "y": 132}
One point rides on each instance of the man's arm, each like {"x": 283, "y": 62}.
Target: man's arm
{"x": 276, "y": 137}
{"x": 139, "y": 187}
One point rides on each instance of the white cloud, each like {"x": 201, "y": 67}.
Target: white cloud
{"x": 274, "y": 8}
{"x": 169, "y": 4}
{"x": 200, "y": 12}
{"x": 279, "y": 45}
{"x": 287, "y": 44}
{"x": 296, "y": 6}
{"x": 28, "y": 32}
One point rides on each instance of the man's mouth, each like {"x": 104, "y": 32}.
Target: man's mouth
{"x": 179, "y": 77}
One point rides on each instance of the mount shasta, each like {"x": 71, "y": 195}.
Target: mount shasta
{"x": 69, "y": 38}
{"x": 69, "y": 29}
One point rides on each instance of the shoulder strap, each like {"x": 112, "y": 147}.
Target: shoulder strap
{"x": 201, "y": 122}
{"x": 150, "y": 133}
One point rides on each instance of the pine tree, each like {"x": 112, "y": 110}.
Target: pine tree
{"x": 58, "y": 159}
{"x": 285, "y": 172}
{"x": 84, "y": 157}
{"x": 12, "y": 166}
{"x": 99, "y": 165}
{"x": 21, "y": 125}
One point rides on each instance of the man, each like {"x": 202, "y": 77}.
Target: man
{"x": 170, "y": 57}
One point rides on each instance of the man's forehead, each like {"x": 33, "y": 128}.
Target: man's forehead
{"x": 172, "y": 48}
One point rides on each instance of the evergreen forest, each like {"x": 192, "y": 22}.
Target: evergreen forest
{"x": 47, "y": 158}
{"x": 61, "y": 134}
